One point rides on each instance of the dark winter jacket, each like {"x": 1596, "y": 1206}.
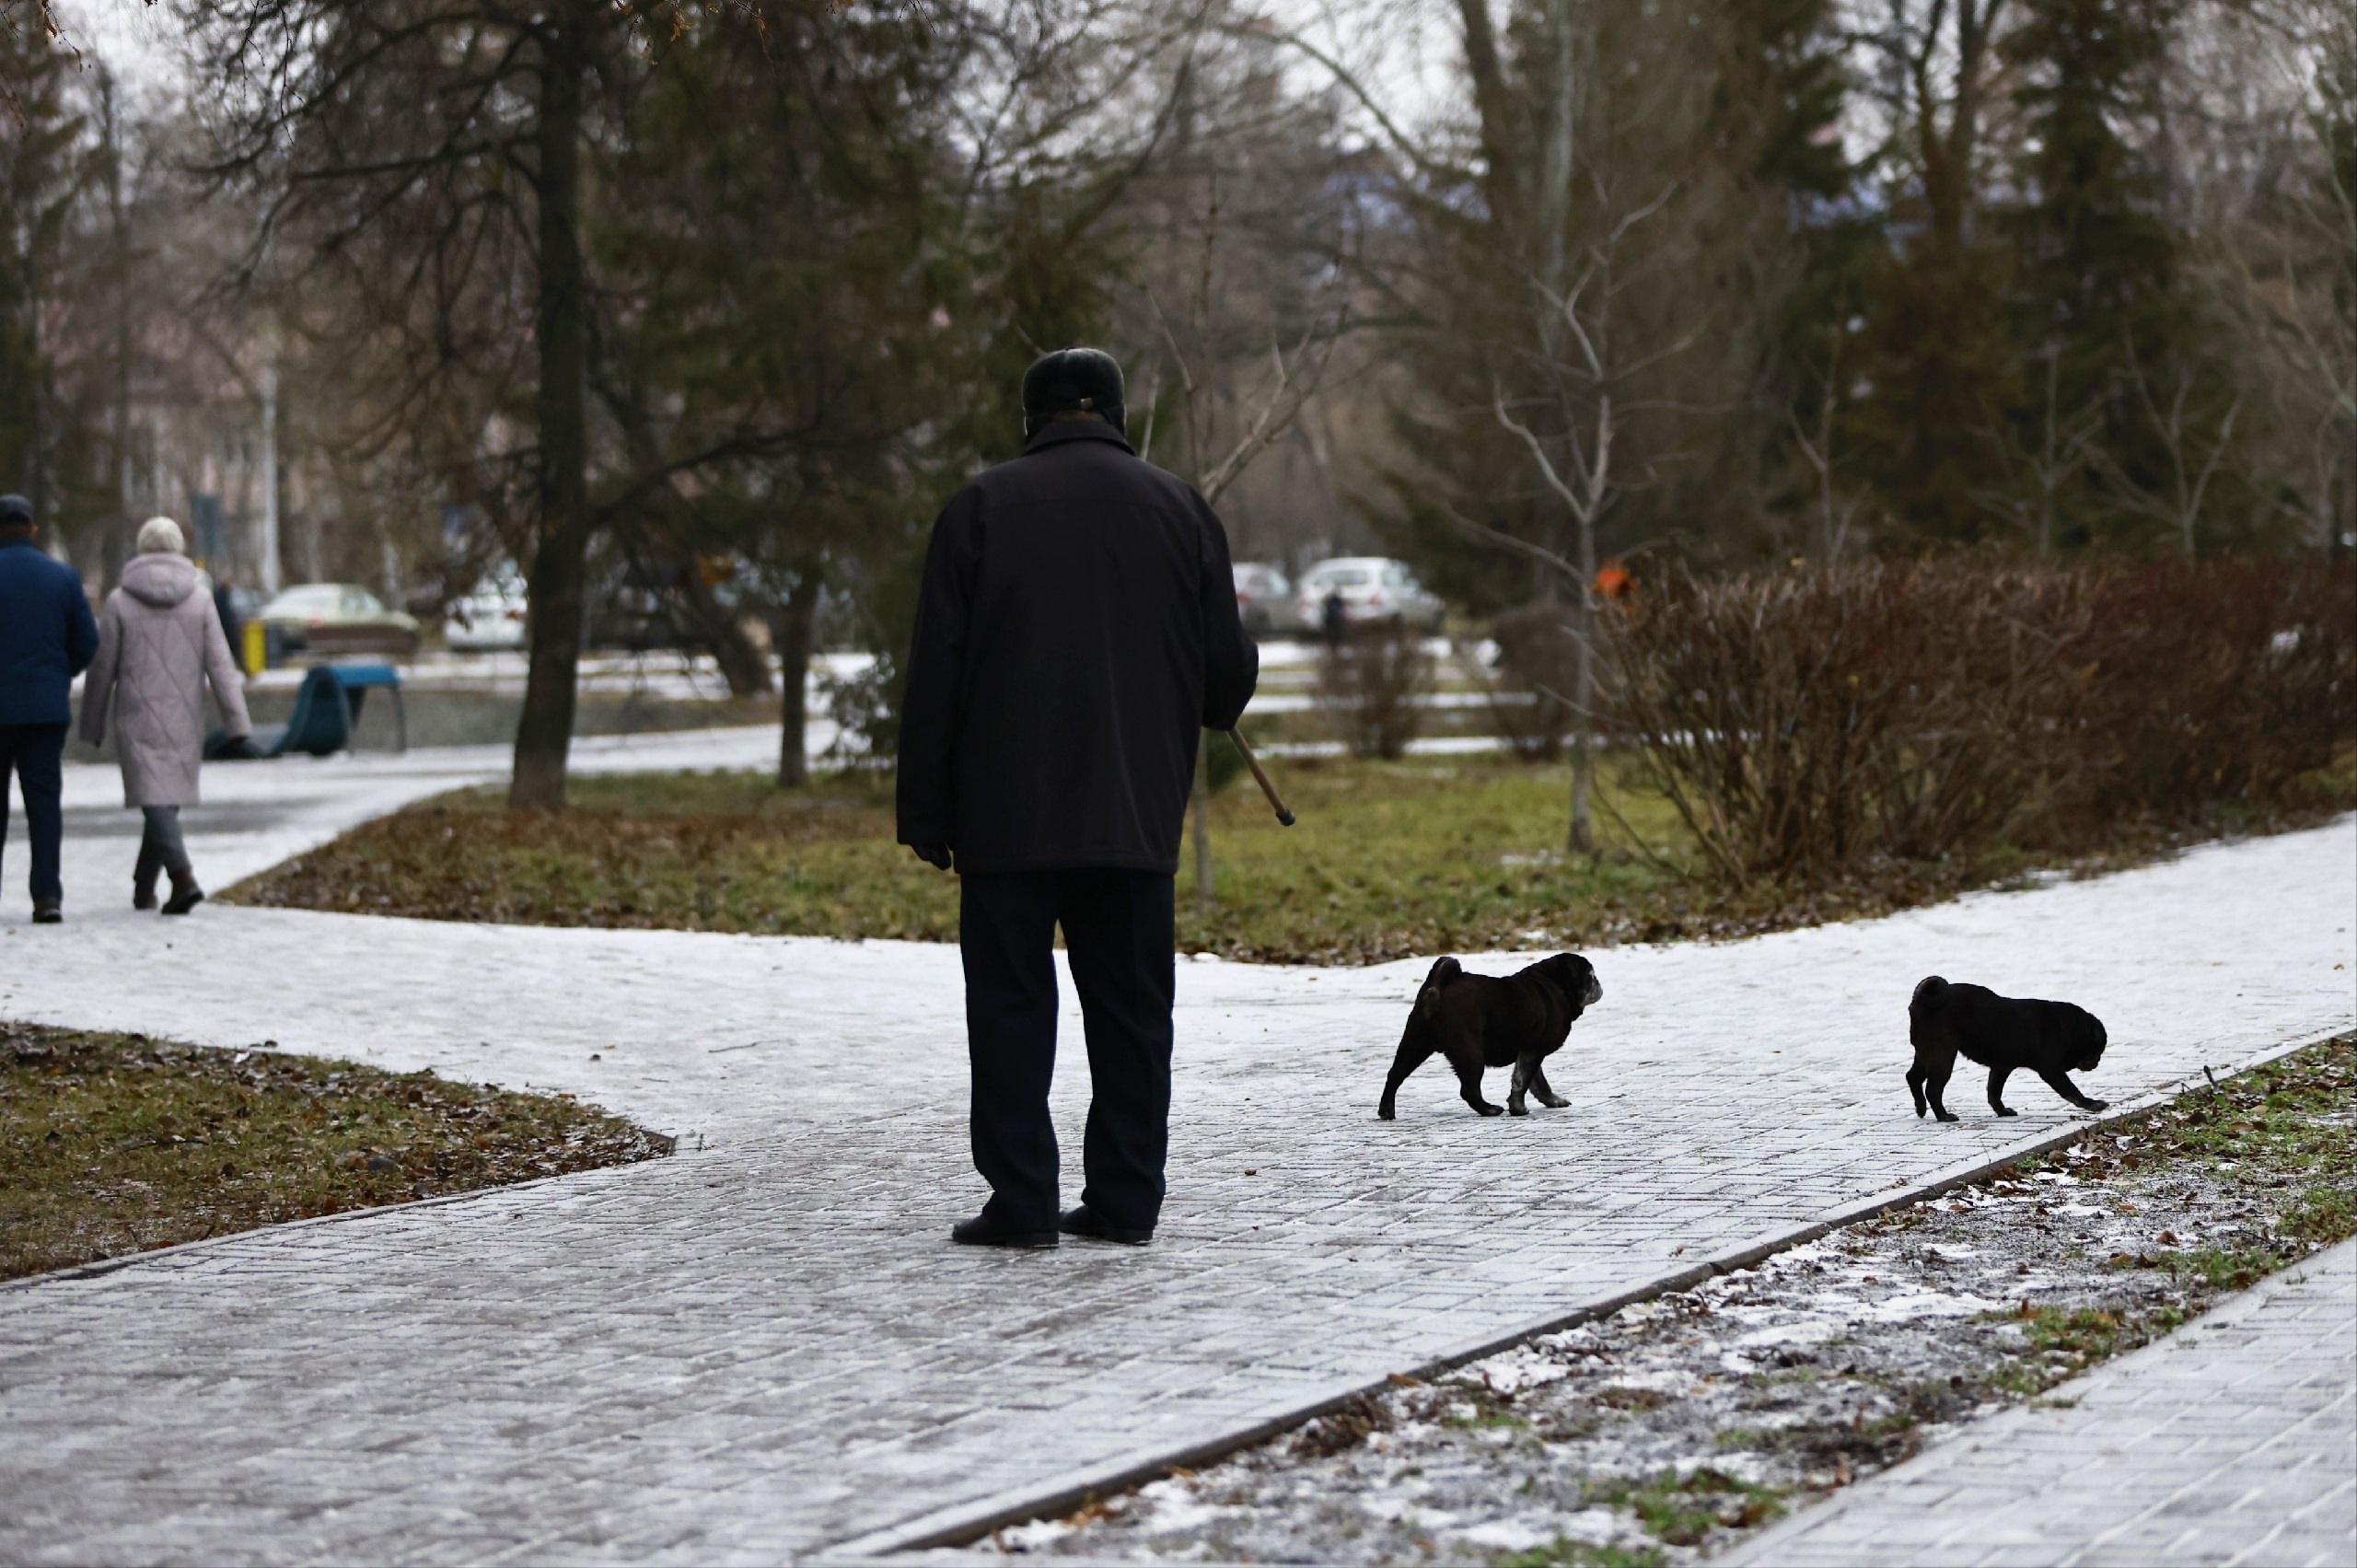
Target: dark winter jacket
{"x": 1076, "y": 634}
{"x": 47, "y": 635}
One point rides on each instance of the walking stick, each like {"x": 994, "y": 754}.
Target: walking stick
{"x": 1284, "y": 818}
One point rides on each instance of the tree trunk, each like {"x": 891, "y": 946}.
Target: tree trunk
{"x": 742, "y": 664}
{"x": 1582, "y": 839}
{"x": 545, "y": 733}
{"x": 796, "y": 619}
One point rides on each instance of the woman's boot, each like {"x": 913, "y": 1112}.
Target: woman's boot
{"x": 186, "y": 894}
{"x": 143, "y": 879}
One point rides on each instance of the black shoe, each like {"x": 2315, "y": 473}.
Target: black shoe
{"x": 1085, "y": 1221}
{"x": 983, "y": 1231}
{"x": 186, "y": 894}
{"x": 47, "y": 912}
{"x": 143, "y": 894}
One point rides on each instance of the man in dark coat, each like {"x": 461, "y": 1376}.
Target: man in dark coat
{"x": 47, "y": 637}
{"x": 1076, "y": 634}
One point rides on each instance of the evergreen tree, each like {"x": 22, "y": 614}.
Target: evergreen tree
{"x": 40, "y": 175}
{"x": 1939, "y": 354}
{"x": 2098, "y": 296}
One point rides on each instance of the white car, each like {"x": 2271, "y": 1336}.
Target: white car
{"x": 1371, "y": 588}
{"x": 493, "y": 617}
{"x": 1264, "y": 600}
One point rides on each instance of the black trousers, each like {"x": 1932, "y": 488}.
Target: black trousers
{"x": 33, "y": 752}
{"x": 1117, "y": 934}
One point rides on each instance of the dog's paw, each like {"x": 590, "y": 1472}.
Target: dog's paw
{"x": 1385, "y": 1113}
{"x": 2007, "y": 1110}
{"x": 1554, "y": 1102}
{"x": 1513, "y": 1109}
{"x": 1921, "y": 1111}
{"x": 1950, "y": 1116}
{"x": 2098, "y": 1105}
{"x": 1490, "y": 1109}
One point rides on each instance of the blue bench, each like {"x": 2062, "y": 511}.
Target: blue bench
{"x": 327, "y": 709}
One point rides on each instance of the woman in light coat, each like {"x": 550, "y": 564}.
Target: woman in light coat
{"x": 159, "y": 642}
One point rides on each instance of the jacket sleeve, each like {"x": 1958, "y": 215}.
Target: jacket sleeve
{"x": 228, "y": 681}
{"x": 81, "y": 628}
{"x": 929, "y": 710}
{"x": 98, "y": 687}
{"x": 1231, "y": 659}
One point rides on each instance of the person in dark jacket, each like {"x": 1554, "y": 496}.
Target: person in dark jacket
{"x": 47, "y": 637}
{"x": 1076, "y": 633}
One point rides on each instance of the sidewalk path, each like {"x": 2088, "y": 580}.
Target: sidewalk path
{"x": 767, "y": 1348}
{"x": 257, "y": 814}
{"x": 2233, "y": 1441}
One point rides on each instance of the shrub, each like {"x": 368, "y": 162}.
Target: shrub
{"x": 1537, "y": 672}
{"x": 1801, "y": 721}
{"x": 1368, "y": 684}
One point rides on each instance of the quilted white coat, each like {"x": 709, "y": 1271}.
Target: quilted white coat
{"x": 160, "y": 641}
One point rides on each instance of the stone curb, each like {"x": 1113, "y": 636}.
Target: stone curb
{"x": 962, "y": 1523}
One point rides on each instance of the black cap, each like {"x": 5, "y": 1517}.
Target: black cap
{"x": 16, "y": 512}
{"x": 1073, "y": 380}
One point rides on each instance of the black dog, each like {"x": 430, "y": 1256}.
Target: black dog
{"x": 2001, "y": 1033}
{"x": 1479, "y": 1022}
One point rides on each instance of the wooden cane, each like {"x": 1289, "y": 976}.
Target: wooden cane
{"x": 1284, "y": 818}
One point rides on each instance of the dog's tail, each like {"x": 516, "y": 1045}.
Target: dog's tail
{"x": 1443, "y": 971}
{"x": 1931, "y": 995}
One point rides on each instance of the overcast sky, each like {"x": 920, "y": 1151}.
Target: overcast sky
{"x": 1405, "y": 50}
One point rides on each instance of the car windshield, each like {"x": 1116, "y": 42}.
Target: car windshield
{"x": 1341, "y": 577}
{"x": 361, "y": 602}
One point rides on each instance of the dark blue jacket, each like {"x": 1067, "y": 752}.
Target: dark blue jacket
{"x": 47, "y": 635}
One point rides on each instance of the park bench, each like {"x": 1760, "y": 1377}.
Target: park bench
{"x": 327, "y": 712}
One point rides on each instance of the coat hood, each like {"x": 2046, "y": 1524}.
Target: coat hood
{"x": 159, "y": 580}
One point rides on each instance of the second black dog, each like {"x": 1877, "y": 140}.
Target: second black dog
{"x": 2005, "y": 1034}
{"x": 1478, "y": 1021}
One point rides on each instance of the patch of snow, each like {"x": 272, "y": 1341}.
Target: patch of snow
{"x": 1911, "y": 1304}
{"x": 1525, "y": 1366}
{"x": 1513, "y": 1535}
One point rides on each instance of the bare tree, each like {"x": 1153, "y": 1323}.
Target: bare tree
{"x": 2282, "y": 254}
{"x": 1589, "y": 376}
{"x": 2036, "y": 478}
{"x": 448, "y": 141}
{"x": 1216, "y": 447}
{"x": 2195, "y": 446}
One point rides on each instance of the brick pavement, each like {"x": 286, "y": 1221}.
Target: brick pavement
{"x": 768, "y": 1348}
{"x": 257, "y": 814}
{"x": 2233, "y": 1441}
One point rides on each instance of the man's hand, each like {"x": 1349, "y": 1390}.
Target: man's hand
{"x": 935, "y": 855}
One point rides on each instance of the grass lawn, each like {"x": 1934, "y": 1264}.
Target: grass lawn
{"x": 1389, "y": 860}
{"x": 115, "y": 1144}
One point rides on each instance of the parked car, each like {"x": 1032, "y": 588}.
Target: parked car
{"x": 338, "y": 618}
{"x": 1371, "y": 588}
{"x": 491, "y": 617}
{"x": 1264, "y": 599}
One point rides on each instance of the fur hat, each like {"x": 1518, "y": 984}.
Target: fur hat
{"x": 1073, "y": 380}
{"x": 161, "y": 536}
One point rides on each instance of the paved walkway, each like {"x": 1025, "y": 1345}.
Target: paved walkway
{"x": 257, "y": 814}
{"x": 2232, "y": 1442}
{"x": 767, "y": 1348}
